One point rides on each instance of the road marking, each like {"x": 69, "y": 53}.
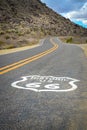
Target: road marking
{"x": 39, "y": 83}
{"x": 20, "y": 63}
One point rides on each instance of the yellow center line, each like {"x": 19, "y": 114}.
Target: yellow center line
{"x": 20, "y": 63}
{"x": 5, "y": 67}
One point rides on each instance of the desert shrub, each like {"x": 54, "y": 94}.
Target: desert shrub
{"x": 20, "y": 33}
{"x": 7, "y": 36}
{"x": 1, "y": 42}
{"x": 35, "y": 29}
{"x": 10, "y": 46}
{"x": 69, "y": 40}
{"x": 16, "y": 31}
{"x": 9, "y": 31}
{"x": 28, "y": 32}
{"x": 2, "y": 32}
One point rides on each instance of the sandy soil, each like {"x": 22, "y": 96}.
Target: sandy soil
{"x": 84, "y": 47}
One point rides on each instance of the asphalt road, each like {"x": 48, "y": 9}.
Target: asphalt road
{"x": 44, "y": 88}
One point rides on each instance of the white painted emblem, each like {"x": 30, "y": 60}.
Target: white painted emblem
{"x": 39, "y": 83}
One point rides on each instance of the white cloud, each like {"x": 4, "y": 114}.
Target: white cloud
{"x": 79, "y": 15}
{"x": 85, "y": 21}
{"x": 75, "y": 10}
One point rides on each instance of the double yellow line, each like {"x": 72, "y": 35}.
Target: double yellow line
{"x": 20, "y": 63}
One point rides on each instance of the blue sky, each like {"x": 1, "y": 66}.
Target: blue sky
{"x": 75, "y": 10}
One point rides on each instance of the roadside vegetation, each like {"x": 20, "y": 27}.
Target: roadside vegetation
{"x": 80, "y": 41}
{"x": 18, "y": 37}
{"x": 24, "y": 23}
{"x": 74, "y": 39}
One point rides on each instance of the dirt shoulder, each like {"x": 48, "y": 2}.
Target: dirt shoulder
{"x": 79, "y": 41}
{"x": 84, "y": 47}
{"x": 7, "y": 51}
{"x": 18, "y": 44}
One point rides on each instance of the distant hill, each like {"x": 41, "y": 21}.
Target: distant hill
{"x": 32, "y": 17}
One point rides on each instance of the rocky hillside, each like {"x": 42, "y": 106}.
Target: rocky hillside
{"x": 33, "y": 18}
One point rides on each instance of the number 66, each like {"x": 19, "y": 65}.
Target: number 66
{"x": 37, "y": 85}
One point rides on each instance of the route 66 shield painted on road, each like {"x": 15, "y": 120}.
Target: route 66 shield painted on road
{"x": 39, "y": 83}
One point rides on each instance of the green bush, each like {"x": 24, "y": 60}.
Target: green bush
{"x": 69, "y": 40}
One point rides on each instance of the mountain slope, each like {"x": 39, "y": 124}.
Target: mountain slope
{"x": 34, "y": 18}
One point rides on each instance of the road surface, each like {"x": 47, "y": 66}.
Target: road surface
{"x": 44, "y": 88}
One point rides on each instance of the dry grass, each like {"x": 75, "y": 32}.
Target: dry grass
{"x": 80, "y": 41}
{"x": 9, "y": 41}
{"x": 74, "y": 40}
{"x": 7, "y": 51}
{"x": 84, "y": 47}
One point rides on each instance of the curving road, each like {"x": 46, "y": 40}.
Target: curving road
{"x": 44, "y": 88}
